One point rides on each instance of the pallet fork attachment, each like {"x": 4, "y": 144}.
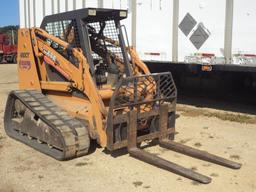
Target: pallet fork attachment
{"x": 137, "y": 153}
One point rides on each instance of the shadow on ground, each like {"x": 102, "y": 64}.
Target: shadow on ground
{"x": 241, "y": 103}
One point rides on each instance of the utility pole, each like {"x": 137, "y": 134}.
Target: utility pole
{"x": 228, "y": 31}
{"x": 134, "y": 22}
{"x": 175, "y": 20}
{"x": 100, "y": 4}
{"x": 84, "y": 3}
{"x": 13, "y": 37}
{"x": 29, "y": 25}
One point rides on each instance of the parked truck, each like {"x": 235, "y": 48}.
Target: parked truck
{"x": 8, "y": 51}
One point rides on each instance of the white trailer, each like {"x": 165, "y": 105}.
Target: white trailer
{"x": 154, "y": 26}
{"x": 204, "y": 35}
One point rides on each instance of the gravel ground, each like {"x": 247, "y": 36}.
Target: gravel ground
{"x": 23, "y": 169}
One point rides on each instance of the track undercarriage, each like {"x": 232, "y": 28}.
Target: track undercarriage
{"x": 33, "y": 119}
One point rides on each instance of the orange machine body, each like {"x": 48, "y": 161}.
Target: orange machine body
{"x": 35, "y": 54}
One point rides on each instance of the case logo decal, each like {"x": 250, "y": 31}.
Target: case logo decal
{"x": 24, "y": 65}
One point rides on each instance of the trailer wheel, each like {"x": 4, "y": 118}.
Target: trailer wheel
{"x": 9, "y": 59}
{"x": 14, "y": 60}
{"x": 1, "y": 59}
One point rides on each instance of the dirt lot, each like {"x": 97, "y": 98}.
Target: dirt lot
{"x": 227, "y": 134}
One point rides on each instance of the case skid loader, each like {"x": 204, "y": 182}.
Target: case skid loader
{"x": 80, "y": 80}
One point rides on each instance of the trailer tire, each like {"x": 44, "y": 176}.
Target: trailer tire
{"x": 14, "y": 60}
{"x": 9, "y": 59}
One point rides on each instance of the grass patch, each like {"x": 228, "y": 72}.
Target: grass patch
{"x": 137, "y": 183}
{"x": 194, "y": 168}
{"x": 198, "y": 145}
{"x": 195, "y": 183}
{"x": 214, "y": 175}
{"x": 232, "y": 117}
{"x": 225, "y": 116}
{"x": 80, "y": 164}
{"x": 235, "y": 157}
{"x": 183, "y": 141}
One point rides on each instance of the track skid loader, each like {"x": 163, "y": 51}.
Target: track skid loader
{"x": 80, "y": 81}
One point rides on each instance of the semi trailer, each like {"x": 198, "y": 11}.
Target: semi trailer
{"x": 207, "y": 45}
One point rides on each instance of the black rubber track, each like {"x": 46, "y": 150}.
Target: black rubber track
{"x": 72, "y": 134}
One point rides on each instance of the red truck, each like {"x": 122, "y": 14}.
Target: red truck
{"x": 8, "y": 51}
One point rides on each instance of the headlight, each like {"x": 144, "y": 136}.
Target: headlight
{"x": 123, "y": 14}
{"x": 92, "y": 12}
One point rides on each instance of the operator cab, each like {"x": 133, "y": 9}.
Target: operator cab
{"x": 98, "y": 33}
